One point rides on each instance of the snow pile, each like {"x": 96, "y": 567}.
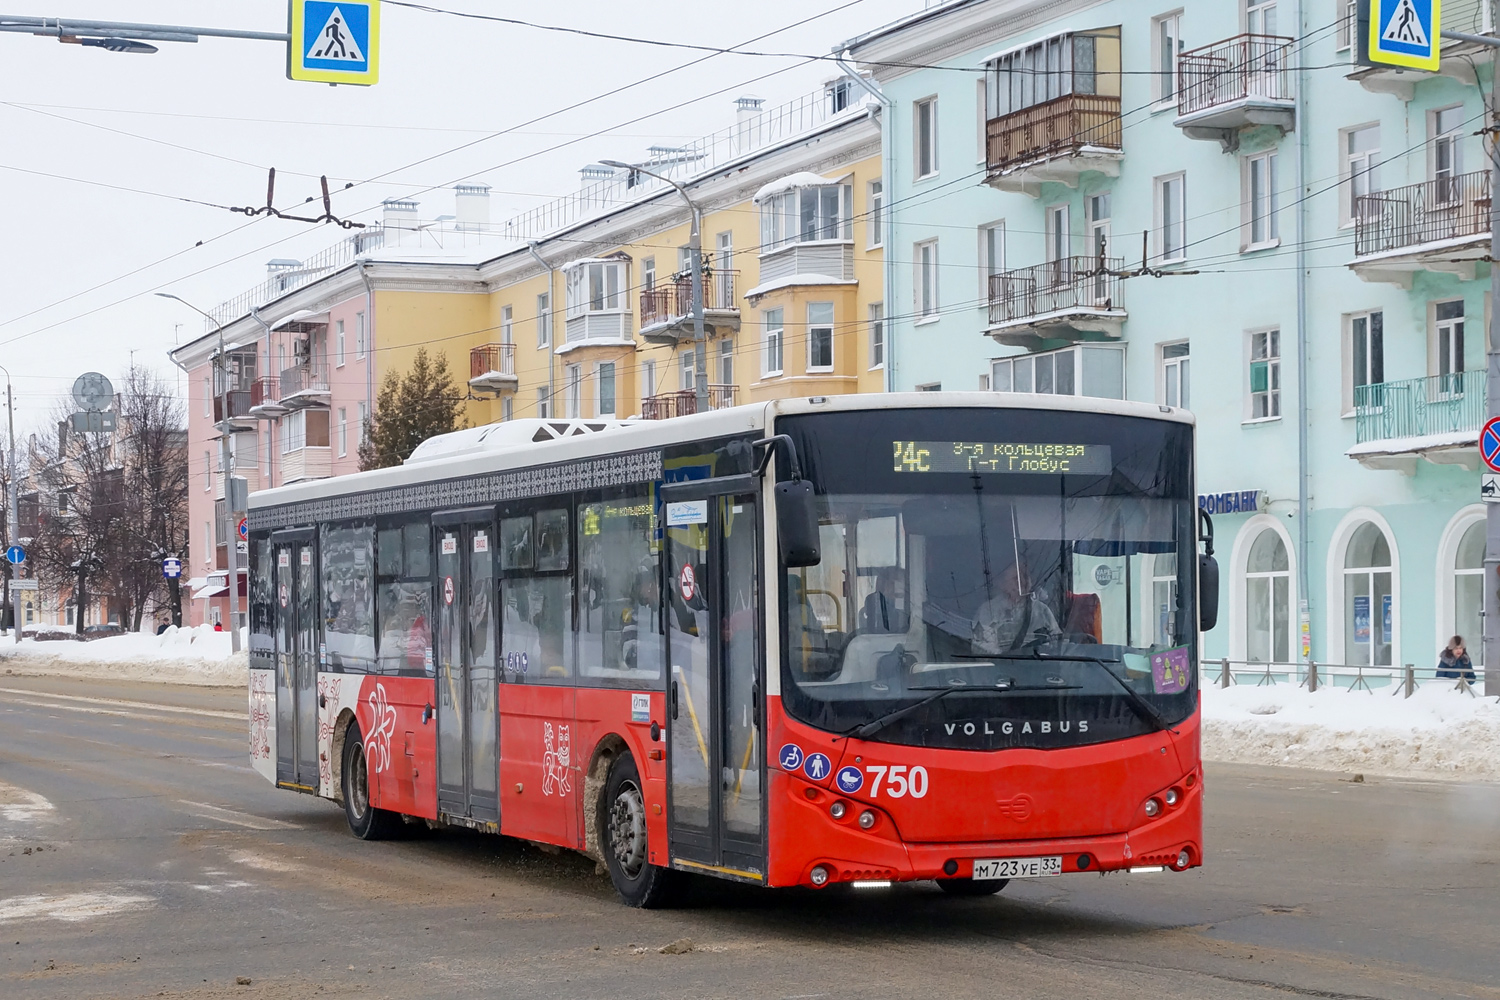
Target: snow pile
{"x": 1438, "y": 732}
{"x": 196, "y": 655}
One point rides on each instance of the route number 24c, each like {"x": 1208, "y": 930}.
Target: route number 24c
{"x": 900, "y": 781}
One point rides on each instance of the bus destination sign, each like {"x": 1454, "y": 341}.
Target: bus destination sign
{"x": 1002, "y": 456}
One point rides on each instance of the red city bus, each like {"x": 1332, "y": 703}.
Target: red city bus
{"x": 858, "y": 639}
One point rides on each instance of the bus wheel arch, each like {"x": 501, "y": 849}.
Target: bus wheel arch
{"x": 336, "y": 752}
{"x": 610, "y": 748}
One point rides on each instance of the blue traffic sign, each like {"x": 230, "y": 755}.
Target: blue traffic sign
{"x": 15, "y": 555}
{"x": 334, "y": 41}
{"x": 1406, "y": 33}
{"x": 790, "y": 757}
{"x": 171, "y": 567}
{"x": 1489, "y": 443}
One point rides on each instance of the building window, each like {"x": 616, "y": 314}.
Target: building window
{"x": 772, "y": 336}
{"x": 1072, "y": 371}
{"x": 648, "y": 274}
{"x": 875, "y": 197}
{"x": 544, "y": 402}
{"x": 1098, "y": 219}
{"x": 1366, "y": 355}
{"x": 1265, "y": 374}
{"x": 1057, "y": 232}
{"x": 343, "y": 431}
{"x": 1268, "y": 600}
{"x": 1446, "y": 126}
{"x": 687, "y": 368}
{"x": 208, "y": 396}
{"x": 1166, "y": 45}
{"x": 1171, "y": 218}
{"x": 543, "y": 320}
{"x": 304, "y": 429}
{"x": 1448, "y": 351}
{"x": 806, "y": 214}
{"x": 361, "y": 337}
{"x": 338, "y": 344}
{"x": 1174, "y": 375}
{"x": 508, "y": 408}
{"x": 1260, "y": 17}
{"x": 648, "y": 378}
{"x": 930, "y": 387}
{"x": 1361, "y": 168}
{"x": 924, "y": 123}
{"x": 604, "y": 399}
{"x": 1056, "y": 67}
{"x": 926, "y": 257}
{"x": 596, "y": 286}
{"x": 726, "y": 362}
{"x": 574, "y": 390}
{"x": 991, "y": 260}
{"x": 1347, "y": 25}
{"x": 877, "y": 335}
{"x": 1369, "y": 604}
{"x": 1261, "y": 201}
{"x": 507, "y": 325}
{"x": 819, "y": 336}
{"x": 359, "y": 428}
{"x": 1468, "y": 591}
{"x": 208, "y": 473}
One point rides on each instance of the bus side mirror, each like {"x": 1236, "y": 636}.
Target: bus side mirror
{"x": 797, "y": 524}
{"x": 1208, "y": 592}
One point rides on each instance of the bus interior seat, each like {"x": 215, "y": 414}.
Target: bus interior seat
{"x": 1085, "y": 616}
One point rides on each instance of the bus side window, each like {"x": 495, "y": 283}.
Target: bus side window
{"x": 536, "y": 598}
{"x": 619, "y": 611}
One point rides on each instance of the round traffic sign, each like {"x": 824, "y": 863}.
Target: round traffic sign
{"x": 15, "y": 555}
{"x": 244, "y": 528}
{"x": 171, "y": 567}
{"x": 1489, "y": 443}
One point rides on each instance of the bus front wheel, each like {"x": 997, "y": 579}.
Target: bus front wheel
{"x": 623, "y": 839}
{"x": 365, "y": 821}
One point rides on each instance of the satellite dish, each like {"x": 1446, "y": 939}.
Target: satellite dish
{"x": 93, "y": 392}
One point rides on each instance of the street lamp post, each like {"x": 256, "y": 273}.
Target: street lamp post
{"x": 12, "y": 515}
{"x": 226, "y": 462}
{"x": 695, "y": 254}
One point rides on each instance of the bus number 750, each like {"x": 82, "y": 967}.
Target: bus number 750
{"x": 900, "y": 781}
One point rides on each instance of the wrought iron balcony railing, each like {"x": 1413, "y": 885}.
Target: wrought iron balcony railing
{"x": 1058, "y": 286}
{"x": 685, "y": 401}
{"x": 1062, "y": 125}
{"x": 306, "y": 378}
{"x": 499, "y": 359}
{"x": 1446, "y": 208}
{"x": 238, "y": 404}
{"x": 673, "y": 300}
{"x": 1419, "y": 407}
{"x": 1236, "y": 69}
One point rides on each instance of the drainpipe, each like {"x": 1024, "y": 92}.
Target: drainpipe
{"x": 887, "y": 185}
{"x": 364, "y": 275}
{"x": 1304, "y": 469}
{"x": 270, "y": 424}
{"x": 551, "y": 318}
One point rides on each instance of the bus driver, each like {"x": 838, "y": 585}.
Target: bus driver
{"x": 1012, "y": 617}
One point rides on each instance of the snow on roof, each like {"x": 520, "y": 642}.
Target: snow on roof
{"x": 801, "y": 179}
{"x": 795, "y": 280}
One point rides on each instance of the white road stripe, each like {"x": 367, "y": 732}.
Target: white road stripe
{"x": 209, "y": 713}
{"x": 218, "y": 813}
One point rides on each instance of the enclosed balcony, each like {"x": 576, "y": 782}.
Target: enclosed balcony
{"x": 685, "y": 402}
{"x": 1436, "y": 418}
{"x": 304, "y": 385}
{"x": 265, "y": 397}
{"x": 234, "y": 406}
{"x": 598, "y": 306}
{"x": 492, "y": 368}
{"x": 1053, "y": 110}
{"x": 1437, "y": 225}
{"x": 1241, "y": 83}
{"x": 1062, "y": 301}
{"x": 667, "y": 309}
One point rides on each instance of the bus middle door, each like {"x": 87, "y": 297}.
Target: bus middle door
{"x": 296, "y": 639}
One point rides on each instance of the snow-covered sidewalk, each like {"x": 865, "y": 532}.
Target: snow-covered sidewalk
{"x": 1437, "y": 733}
{"x": 197, "y": 655}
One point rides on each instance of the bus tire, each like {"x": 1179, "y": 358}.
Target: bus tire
{"x": 969, "y": 887}
{"x": 623, "y": 842}
{"x": 365, "y": 821}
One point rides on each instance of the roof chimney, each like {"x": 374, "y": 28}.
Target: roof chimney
{"x": 748, "y": 112}
{"x": 595, "y": 172}
{"x": 472, "y": 205}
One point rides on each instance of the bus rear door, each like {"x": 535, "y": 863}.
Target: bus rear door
{"x": 297, "y": 635}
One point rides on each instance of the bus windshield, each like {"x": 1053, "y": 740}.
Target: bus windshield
{"x": 994, "y": 578}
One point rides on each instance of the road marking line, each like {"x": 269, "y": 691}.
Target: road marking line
{"x": 205, "y": 811}
{"x": 210, "y": 713}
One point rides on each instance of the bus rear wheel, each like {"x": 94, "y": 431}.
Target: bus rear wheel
{"x": 365, "y": 821}
{"x": 969, "y": 887}
{"x": 623, "y": 839}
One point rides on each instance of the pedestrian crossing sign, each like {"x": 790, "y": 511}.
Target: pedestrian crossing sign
{"x": 334, "y": 41}
{"x": 1405, "y": 33}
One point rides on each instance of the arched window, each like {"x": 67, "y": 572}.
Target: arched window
{"x": 1369, "y": 611}
{"x": 1468, "y": 590}
{"x": 1268, "y": 600}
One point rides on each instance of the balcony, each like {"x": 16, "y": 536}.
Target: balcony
{"x": 684, "y": 402}
{"x": 1438, "y": 225}
{"x": 492, "y": 368}
{"x": 1435, "y": 418}
{"x": 234, "y": 406}
{"x": 265, "y": 397}
{"x": 1058, "y": 140}
{"x": 667, "y": 309}
{"x": 1062, "y": 301}
{"x": 304, "y": 385}
{"x": 1241, "y": 83}
{"x": 309, "y": 462}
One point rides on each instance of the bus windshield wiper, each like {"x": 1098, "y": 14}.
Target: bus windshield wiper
{"x": 868, "y": 729}
{"x": 1143, "y": 708}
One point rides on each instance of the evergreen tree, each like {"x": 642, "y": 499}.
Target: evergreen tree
{"x": 409, "y": 410}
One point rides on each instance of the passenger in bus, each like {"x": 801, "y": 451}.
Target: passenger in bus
{"x": 1013, "y": 617}
{"x": 881, "y": 613}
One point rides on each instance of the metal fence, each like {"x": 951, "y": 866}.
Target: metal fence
{"x": 303, "y": 378}
{"x": 674, "y": 299}
{"x": 1056, "y": 286}
{"x": 684, "y": 402}
{"x": 319, "y": 265}
{"x": 1398, "y": 680}
{"x": 1236, "y": 69}
{"x": 1416, "y": 407}
{"x": 1062, "y": 125}
{"x": 1445, "y": 208}
{"x": 492, "y": 358}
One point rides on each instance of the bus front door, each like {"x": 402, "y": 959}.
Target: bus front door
{"x": 715, "y": 760}
{"x": 468, "y": 724}
{"x": 297, "y": 633}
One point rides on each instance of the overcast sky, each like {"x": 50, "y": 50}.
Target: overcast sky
{"x": 79, "y": 261}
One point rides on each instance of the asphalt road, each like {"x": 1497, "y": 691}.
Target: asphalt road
{"x": 141, "y": 857}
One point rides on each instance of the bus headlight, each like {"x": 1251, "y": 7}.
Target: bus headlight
{"x": 866, "y": 819}
{"x": 837, "y": 810}
{"x": 819, "y": 876}
{"x": 1153, "y": 807}
{"x": 1171, "y": 796}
